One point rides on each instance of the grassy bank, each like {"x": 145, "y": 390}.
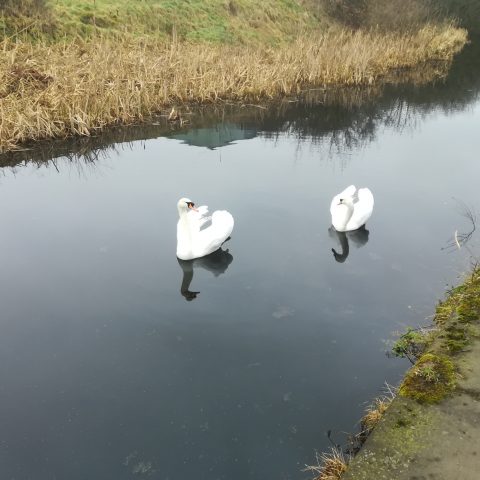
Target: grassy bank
{"x": 220, "y": 21}
{"x": 79, "y": 87}
{"x": 74, "y": 67}
{"x": 427, "y": 430}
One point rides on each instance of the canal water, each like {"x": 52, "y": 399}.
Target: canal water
{"x": 117, "y": 361}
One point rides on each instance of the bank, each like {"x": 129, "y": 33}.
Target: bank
{"x": 54, "y": 84}
{"x": 431, "y": 429}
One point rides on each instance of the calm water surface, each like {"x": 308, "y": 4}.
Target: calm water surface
{"x": 113, "y": 366}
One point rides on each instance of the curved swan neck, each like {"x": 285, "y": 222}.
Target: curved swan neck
{"x": 184, "y": 221}
{"x": 348, "y": 215}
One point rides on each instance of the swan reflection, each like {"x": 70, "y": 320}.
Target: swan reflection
{"x": 217, "y": 262}
{"x": 357, "y": 237}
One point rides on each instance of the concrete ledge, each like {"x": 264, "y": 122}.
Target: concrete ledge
{"x": 439, "y": 441}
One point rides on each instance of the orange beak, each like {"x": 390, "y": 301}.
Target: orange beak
{"x": 191, "y": 207}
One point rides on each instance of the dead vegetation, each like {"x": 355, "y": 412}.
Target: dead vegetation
{"x": 374, "y": 412}
{"x": 80, "y": 87}
{"x": 329, "y": 466}
{"x": 333, "y": 464}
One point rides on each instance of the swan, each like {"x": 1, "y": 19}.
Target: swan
{"x": 351, "y": 208}
{"x": 199, "y": 234}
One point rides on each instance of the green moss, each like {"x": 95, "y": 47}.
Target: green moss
{"x": 430, "y": 379}
{"x": 402, "y": 422}
{"x": 462, "y": 303}
{"x": 458, "y": 315}
{"x": 456, "y": 338}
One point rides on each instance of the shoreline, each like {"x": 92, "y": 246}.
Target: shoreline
{"x": 87, "y": 86}
{"x": 431, "y": 428}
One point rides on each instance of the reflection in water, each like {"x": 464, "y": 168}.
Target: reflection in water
{"x": 217, "y": 136}
{"x": 357, "y": 237}
{"x": 136, "y": 379}
{"x": 217, "y": 262}
{"x": 342, "y": 119}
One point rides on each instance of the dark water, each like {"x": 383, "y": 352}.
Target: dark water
{"x": 113, "y": 366}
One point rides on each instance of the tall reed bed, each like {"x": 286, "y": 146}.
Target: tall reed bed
{"x": 80, "y": 87}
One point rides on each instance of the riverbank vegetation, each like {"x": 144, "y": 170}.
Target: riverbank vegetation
{"x": 77, "y": 88}
{"x": 329, "y": 466}
{"x": 74, "y": 68}
{"x": 443, "y": 355}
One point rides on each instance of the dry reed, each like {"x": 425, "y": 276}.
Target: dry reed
{"x": 375, "y": 411}
{"x": 330, "y": 466}
{"x": 80, "y": 87}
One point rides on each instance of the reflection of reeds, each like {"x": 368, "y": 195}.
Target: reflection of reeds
{"x": 81, "y": 87}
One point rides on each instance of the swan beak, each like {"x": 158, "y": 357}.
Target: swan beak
{"x": 191, "y": 207}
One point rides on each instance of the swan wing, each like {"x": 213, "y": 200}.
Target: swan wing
{"x": 363, "y": 209}
{"x": 198, "y": 218}
{"x": 211, "y": 238}
{"x": 348, "y": 192}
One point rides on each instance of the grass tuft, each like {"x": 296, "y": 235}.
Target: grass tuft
{"x": 330, "y": 466}
{"x": 375, "y": 411}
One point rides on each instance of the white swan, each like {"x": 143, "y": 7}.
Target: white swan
{"x": 199, "y": 234}
{"x": 351, "y": 209}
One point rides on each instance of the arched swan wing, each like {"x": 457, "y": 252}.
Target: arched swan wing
{"x": 211, "y": 238}
{"x": 198, "y": 218}
{"x": 363, "y": 209}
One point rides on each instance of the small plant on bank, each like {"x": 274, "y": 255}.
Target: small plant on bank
{"x": 412, "y": 343}
{"x": 429, "y": 373}
{"x": 330, "y": 466}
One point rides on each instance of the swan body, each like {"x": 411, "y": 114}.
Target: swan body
{"x": 351, "y": 208}
{"x": 199, "y": 234}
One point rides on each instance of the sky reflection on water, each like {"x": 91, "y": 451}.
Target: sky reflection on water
{"x": 107, "y": 372}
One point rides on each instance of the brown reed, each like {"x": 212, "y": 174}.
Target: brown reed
{"x": 83, "y": 86}
{"x": 330, "y": 466}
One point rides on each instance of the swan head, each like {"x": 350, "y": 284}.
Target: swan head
{"x": 184, "y": 205}
{"x": 345, "y": 201}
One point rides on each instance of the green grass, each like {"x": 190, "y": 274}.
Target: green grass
{"x": 218, "y": 21}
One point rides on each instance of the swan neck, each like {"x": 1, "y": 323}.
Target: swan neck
{"x": 348, "y": 214}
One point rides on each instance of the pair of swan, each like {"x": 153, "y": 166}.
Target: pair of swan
{"x": 199, "y": 234}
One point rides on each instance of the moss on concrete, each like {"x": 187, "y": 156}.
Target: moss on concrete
{"x": 429, "y": 380}
{"x": 432, "y": 428}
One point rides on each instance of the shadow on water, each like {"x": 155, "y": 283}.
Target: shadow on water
{"x": 342, "y": 119}
{"x": 216, "y": 263}
{"x": 357, "y": 237}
